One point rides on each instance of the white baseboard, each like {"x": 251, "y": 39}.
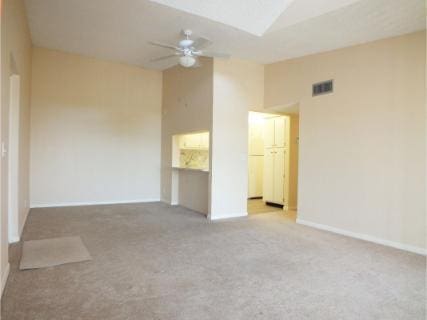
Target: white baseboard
{"x": 14, "y": 239}
{"x": 228, "y": 216}
{"x": 21, "y": 228}
{"x": 90, "y": 203}
{"x": 169, "y": 202}
{"x": 17, "y": 238}
{"x": 4, "y": 277}
{"x": 366, "y": 237}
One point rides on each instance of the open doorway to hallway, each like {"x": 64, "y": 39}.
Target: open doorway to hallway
{"x": 13, "y": 158}
{"x": 272, "y": 163}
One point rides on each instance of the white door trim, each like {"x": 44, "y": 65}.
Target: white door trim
{"x": 13, "y": 159}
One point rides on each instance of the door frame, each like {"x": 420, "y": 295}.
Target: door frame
{"x": 13, "y": 157}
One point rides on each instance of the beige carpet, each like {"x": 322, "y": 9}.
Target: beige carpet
{"x": 152, "y": 261}
{"x": 52, "y": 252}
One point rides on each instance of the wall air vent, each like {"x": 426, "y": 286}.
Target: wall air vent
{"x": 323, "y": 87}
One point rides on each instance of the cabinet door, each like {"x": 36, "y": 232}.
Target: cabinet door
{"x": 269, "y": 133}
{"x": 192, "y": 141}
{"x": 280, "y": 132}
{"x": 186, "y": 141}
{"x": 279, "y": 175}
{"x": 204, "y": 140}
{"x": 182, "y": 142}
{"x": 195, "y": 141}
{"x": 268, "y": 185}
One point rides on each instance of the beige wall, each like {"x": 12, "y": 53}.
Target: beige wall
{"x": 16, "y": 47}
{"x": 187, "y": 107}
{"x": 238, "y": 88}
{"x": 95, "y": 131}
{"x": 193, "y": 190}
{"x": 362, "y": 148}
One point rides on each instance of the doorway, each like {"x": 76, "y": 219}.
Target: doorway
{"x": 13, "y": 158}
{"x": 272, "y": 163}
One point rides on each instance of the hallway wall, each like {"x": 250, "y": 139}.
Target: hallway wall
{"x": 293, "y": 162}
{"x": 362, "y": 147}
{"x": 238, "y": 88}
{"x": 16, "y": 50}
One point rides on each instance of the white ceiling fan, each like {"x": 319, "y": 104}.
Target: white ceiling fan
{"x": 188, "y": 51}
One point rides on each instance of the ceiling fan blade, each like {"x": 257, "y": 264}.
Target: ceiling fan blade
{"x": 164, "y": 57}
{"x": 212, "y": 54}
{"x": 201, "y": 43}
{"x": 163, "y": 45}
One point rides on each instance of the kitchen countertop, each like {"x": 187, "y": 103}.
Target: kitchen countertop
{"x": 191, "y": 169}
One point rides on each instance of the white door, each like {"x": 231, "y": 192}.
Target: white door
{"x": 269, "y": 133}
{"x": 279, "y": 131}
{"x": 268, "y": 185}
{"x": 279, "y": 175}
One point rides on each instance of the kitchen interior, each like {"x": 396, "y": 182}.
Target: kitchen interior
{"x": 191, "y": 151}
{"x": 272, "y": 166}
{"x": 190, "y": 170}
{"x": 272, "y": 163}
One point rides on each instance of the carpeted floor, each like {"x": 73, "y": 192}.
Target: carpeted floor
{"x": 153, "y": 261}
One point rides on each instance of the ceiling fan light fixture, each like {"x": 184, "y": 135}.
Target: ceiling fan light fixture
{"x": 188, "y": 50}
{"x": 187, "y": 61}
{"x": 186, "y": 43}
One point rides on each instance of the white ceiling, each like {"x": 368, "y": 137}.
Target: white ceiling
{"x": 252, "y": 16}
{"x": 119, "y": 30}
{"x": 301, "y": 10}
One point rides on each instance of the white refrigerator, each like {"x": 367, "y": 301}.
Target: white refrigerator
{"x": 255, "y": 160}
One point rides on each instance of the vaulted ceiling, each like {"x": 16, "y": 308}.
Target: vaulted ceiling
{"x": 262, "y": 31}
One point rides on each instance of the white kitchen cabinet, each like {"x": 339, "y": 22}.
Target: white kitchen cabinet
{"x": 268, "y": 176}
{"x": 280, "y": 131}
{"x": 192, "y": 141}
{"x": 269, "y": 133}
{"x": 274, "y": 186}
{"x": 195, "y": 141}
{"x": 204, "y": 140}
{"x": 276, "y": 137}
{"x": 255, "y": 176}
{"x": 279, "y": 176}
{"x": 272, "y": 135}
{"x": 183, "y": 141}
{"x": 275, "y": 132}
